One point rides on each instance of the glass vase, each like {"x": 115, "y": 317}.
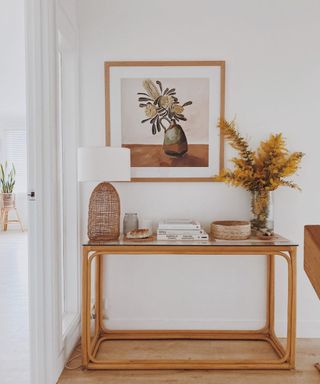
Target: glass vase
{"x": 262, "y": 222}
{"x": 130, "y": 222}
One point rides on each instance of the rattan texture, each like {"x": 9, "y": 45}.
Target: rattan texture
{"x": 231, "y": 230}
{"x": 104, "y": 213}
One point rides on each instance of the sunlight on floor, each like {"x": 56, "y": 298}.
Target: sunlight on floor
{"x": 14, "y": 327}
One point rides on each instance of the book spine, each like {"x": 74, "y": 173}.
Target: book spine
{"x": 183, "y": 237}
{"x": 179, "y": 226}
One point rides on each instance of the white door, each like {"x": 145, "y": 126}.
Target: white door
{"x": 52, "y": 63}
{"x": 67, "y": 146}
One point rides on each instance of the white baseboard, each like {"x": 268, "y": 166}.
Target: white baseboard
{"x": 69, "y": 342}
{"x": 305, "y": 329}
{"x": 72, "y": 337}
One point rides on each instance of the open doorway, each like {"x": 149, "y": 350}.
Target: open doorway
{"x": 14, "y": 316}
{"x": 39, "y": 296}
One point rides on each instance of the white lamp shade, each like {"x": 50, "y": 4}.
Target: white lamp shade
{"x": 103, "y": 164}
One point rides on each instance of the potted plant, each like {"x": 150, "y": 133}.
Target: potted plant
{"x": 260, "y": 172}
{"x": 7, "y": 182}
{"x": 163, "y": 111}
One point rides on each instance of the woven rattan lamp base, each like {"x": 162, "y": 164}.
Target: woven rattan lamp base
{"x": 104, "y": 213}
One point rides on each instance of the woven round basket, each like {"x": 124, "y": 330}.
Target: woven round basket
{"x": 104, "y": 213}
{"x": 231, "y": 230}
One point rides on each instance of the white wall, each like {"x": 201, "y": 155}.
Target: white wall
{"x": 272, "y": 85}
{"x": 12, "y": 77}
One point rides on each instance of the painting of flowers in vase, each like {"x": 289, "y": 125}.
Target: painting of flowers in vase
{"x": 165, "y": 121}
{"x": 166, "y": 113}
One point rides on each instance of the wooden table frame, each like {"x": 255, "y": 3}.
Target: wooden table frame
{"x": 91, "y": 344}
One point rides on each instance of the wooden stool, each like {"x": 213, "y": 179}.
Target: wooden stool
{"x": 8, "y": 203}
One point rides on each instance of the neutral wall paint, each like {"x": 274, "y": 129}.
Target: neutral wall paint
{"x": 272, "y": 85}
{"x": 70, "y": 9}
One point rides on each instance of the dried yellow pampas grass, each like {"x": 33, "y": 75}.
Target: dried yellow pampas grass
{"x": 265, "y": 169}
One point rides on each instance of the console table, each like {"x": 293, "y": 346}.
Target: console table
{"x": 94, "y": 332}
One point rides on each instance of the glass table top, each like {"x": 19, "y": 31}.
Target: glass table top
{"x": 276, "y": 240}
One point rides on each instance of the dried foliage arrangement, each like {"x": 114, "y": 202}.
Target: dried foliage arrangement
{"x": 265, "y": 169}
{"x": 259, "y": 171}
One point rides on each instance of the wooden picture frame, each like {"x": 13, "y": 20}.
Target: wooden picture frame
{"x": 136, "y": 101}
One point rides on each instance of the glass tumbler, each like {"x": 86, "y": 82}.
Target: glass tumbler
{"x": 130, "y": 222}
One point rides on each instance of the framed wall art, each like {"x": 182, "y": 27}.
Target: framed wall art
{"x": 166, "y": 113}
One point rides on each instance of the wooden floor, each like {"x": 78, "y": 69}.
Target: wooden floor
{"x": 184, "y": 350}
{"x": 308, "y": 352}
{"x": 14, "y": 328}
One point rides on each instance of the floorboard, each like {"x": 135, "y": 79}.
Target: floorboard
{"x": 308, "y": 352}
{"x": 14, "y": 328}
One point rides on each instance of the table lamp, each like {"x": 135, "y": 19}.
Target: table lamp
{"x": 104, "y": 164}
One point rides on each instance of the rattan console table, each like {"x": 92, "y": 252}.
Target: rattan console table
{"x": 94, "y": 333}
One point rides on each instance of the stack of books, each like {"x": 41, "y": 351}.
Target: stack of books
{"x": 182, "y": 229}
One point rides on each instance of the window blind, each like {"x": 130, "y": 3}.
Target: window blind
{"x": 16, "y": 150}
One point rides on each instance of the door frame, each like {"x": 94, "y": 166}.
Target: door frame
{"x": 47, "y": 355}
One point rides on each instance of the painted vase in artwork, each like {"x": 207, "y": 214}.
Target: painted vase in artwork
{"x": 175, "y": 142}
{"x": 163, "y": 111}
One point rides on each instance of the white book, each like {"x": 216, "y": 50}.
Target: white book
{"x": 204, "y": 237}
{"x": 185, "y": 232}
{"x": 179, "y": 224}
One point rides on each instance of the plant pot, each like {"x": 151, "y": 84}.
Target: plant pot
{"x": 262, "y": 213}
{"x": 175, "y": 142}
{"x": 8, "y": 200}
